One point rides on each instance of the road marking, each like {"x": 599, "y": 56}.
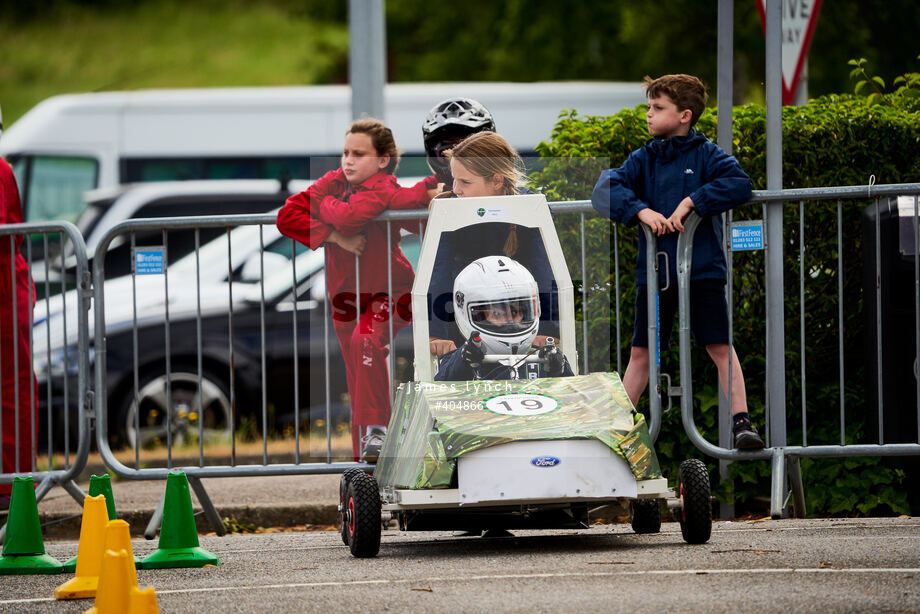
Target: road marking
{"x": 534, "y": 576}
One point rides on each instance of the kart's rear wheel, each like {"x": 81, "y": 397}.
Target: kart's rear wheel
{"x": 362, "y": 505}
{"x": 645, "y": 516}
{"x": 696, "y": 510}
{"x": 347, "y": 476}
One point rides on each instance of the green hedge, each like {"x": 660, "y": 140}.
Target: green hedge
{"x": 832, "y": 141}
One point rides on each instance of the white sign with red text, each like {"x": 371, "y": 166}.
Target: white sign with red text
{"x": 799, "y": 17}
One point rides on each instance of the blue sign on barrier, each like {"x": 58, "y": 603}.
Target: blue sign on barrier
{"x": 747, "y": 235}
{"x": 149, "y": 261}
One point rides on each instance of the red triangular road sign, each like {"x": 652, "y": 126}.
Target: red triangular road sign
{"x": 799, "y": 18}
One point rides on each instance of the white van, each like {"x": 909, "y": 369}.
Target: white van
{"x": 72, "y": 143}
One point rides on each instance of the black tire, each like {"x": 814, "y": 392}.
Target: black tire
{"x": 645, "y": 516}
{"x": 696, "y": 508}
{"x": 347, "y": 476}
{"x": 362, "y": 504}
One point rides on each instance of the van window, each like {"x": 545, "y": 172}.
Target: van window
{"x": 55, "y": 185}
{"x": 20, "y": 166}
{"x": 180, "y": 169}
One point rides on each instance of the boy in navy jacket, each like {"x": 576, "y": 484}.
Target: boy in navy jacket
{"x": 676, "y": 171}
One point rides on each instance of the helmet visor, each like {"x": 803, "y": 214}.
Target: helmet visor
{"x": 504, "y": 318}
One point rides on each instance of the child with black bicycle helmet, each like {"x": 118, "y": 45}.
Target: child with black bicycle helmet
{"x": 447, "y": 123}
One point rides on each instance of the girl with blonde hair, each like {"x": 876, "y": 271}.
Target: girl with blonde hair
{"x": 485, "y": 164}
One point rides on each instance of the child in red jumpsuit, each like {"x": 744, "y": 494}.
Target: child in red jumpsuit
{"x": 336, "y": 212}
{"x": 15, "y": 353}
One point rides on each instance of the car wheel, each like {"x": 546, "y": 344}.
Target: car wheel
{"x": 186, "y": 415}
{"x": 696, "y": 508}
{"x": 645, "y": 516}
{"x": 362, "y": 503}
{"x": 347, "y": 476}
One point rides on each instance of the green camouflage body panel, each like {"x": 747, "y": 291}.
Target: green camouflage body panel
{"x": 438, "y": 422}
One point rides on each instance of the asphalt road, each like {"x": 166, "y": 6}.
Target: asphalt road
{"x": 865, "y": 565}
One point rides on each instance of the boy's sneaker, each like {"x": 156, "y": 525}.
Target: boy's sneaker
{"x": 372, "y": 443}
{"x": 746, "y": 436}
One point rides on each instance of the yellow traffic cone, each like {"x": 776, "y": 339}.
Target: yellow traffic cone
{"x": 98, "y": 485}
{"x": 89, "y": 552}
{"x": 143, "y": 601}
{"x": 115, "y": 582}
{"x": 118, "y": 537}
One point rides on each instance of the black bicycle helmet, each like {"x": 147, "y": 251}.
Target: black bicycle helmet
{"x": 448, "y": 122}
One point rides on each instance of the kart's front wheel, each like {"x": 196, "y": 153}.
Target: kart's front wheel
{"x": 362, "y": 514}
{"x": 645, "y": 516}
{"x": 347, "y": 476}
{"x": 696, "y": 509}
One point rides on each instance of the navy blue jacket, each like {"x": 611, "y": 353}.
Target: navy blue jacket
{"x": 659, "y": 176}
{"x": 453, "y": 368}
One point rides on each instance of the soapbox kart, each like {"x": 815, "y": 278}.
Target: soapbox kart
{"x": 515, "y": 453}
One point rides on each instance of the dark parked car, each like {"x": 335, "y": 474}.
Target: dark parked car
{"x": 237, "y": 381}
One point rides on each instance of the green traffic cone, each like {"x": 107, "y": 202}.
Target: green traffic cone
{"x": 24, "y": 548}
{"x": 98, "y": 485}
{"x": 178, "y": 545}
{"x": 102, "y": 485}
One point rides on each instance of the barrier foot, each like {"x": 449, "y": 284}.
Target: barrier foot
{"x": 44, "y": 487}
{"x": 78, "y": 495}
{"x": 794, "y": 467}
{"x": 210, "y": 511}
{"x": 778, "y": 485}
{"x": 154, "y": 525}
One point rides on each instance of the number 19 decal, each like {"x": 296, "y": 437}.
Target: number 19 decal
{"x": 521, "y": 404}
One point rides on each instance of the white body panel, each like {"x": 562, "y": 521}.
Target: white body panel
{"x": 539, "y": 470}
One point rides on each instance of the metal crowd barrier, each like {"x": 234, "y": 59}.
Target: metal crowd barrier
{"x": 65, "y": 416}
{"x": 151, "y": 324}
{"x": 786, "y": 457}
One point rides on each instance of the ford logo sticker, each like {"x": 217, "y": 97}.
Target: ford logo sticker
{"x": 545, "y": 461}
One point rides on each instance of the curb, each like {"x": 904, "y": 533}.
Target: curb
{"x": 247, "y": 517}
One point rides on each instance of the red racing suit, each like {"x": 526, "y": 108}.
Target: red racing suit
{"x": 362, "y": 325}
{"x": 15, "y": 353}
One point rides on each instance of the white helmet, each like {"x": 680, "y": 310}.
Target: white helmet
{"x": 498, "y": 298}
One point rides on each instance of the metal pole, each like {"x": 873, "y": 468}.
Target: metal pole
{"x": 776, "y": 378}
{"x": 654, "y": 348}
{"x": 367, "y": 55}
{"x": 724, "y": 70}
{"x": 801, "y": 94}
